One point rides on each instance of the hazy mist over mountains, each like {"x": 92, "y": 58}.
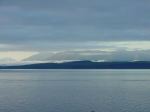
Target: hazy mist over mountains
{"x": 93, "y": 55}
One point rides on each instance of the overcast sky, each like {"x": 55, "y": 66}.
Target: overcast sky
{"x": 33, "y": 26}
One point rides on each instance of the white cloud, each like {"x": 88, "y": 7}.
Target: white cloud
{"x": 17, "y": 55}
{"x": 102, "y": 50}
{"x": 126, "y": 45}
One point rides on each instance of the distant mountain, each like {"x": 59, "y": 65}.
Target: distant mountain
{"x": 66, "y": 55}
{"x": 83, "y": 65}
{"x": 93, "y": 55}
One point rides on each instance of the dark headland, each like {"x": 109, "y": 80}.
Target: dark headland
{"x": 83, "y": 65}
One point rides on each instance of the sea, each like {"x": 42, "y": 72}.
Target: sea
{"x": 66, "y": 90}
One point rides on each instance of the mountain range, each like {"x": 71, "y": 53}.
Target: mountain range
{"x": 83, "y": 65}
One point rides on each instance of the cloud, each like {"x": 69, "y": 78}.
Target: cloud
{"x": 81, "y": 20}
{"x": 77, "y": 46}
{"x": 15, "y": 55}
{"x": 69, "y": 25}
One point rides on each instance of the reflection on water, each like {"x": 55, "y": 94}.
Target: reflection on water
{"x": 74, "y": 91}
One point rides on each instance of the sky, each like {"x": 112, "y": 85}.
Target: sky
{"x": 31, "y": 27}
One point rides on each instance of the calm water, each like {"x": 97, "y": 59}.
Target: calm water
{"x": 74, "y": 90}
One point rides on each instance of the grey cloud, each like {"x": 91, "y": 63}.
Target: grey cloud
{"x": 27, "y": 23}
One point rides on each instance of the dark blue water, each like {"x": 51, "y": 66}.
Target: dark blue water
{"x": 74, "y": 90}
